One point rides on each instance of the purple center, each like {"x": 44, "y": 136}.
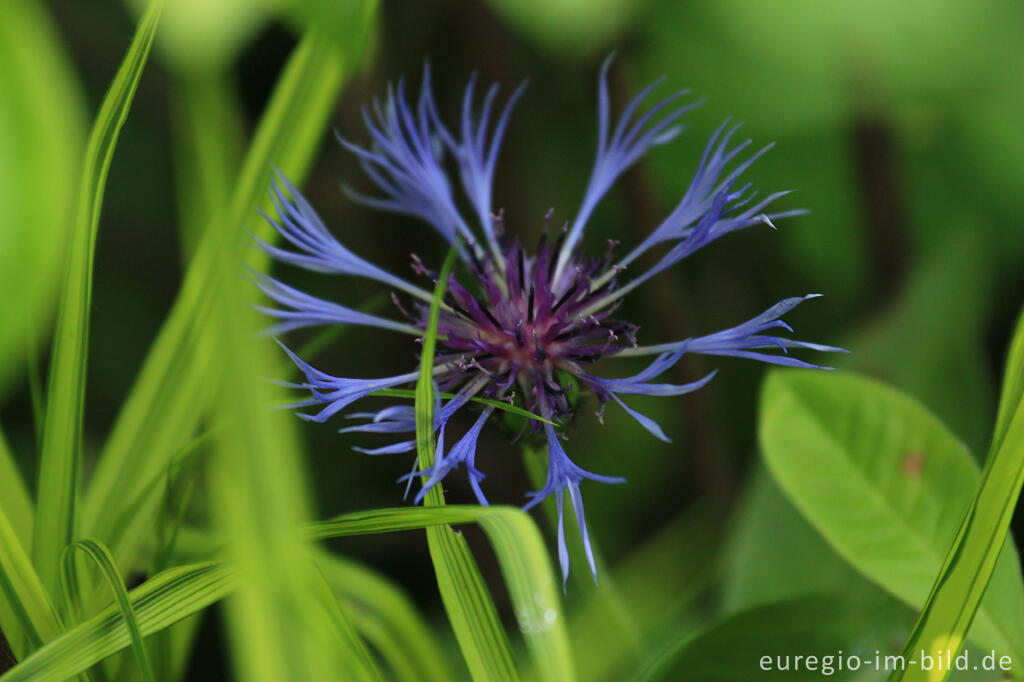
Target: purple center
{"x": 521, "y": 328}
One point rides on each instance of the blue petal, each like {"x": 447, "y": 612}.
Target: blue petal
{"x": 707, "y": 183}
{"x": 639, "y": 384}
{"x": 337, "y": 392}
{"x": 406, "y": 161}
{"x": 308, "y": 311}
{"x": 476, "y": 155}
{"x": 564, "y": 473}
{"x": 393, "y": 449}
{"x": 630, "y": 140}
{"x": 746, "y": 338}
{"x": 581, "y": 522}
{"x": 462, "y": 453}
{"x": 652, "y": 426}
{"x": 319, "y": 251}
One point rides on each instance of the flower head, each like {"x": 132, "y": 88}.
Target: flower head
{"x": 516, "y": 323}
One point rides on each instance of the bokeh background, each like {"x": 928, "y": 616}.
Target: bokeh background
{"x": 900, "y": 126}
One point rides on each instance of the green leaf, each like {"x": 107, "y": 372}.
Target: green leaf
{"x": 101, "y": 555}
{"x": 60, "y": 459}
{"x": 521, "y": 554}
{"x": 1013, "y": 387}
{"x": 775, "y": 554}
{"x": 950, "y": 378}
{"x": 163, "y": 409}
{"x": 820, "y": 626}
{"x": 14, "y": 498}
{"x": 379, "y": 609}
{"x": 467, "y": 602}
{"x": 960, "y": 587}
{"x": 388, "y": 620}
{"x": 208, "y": 151}
{"x": 27, "y": 617}
{"x": 179, "y": 592}
{"x": 158, "y": 603}
{"x": 362, "y": 665}
{"x": 886, "y": 484}
{"x": 280, "y": 626}
{"x": 44, "y": 119}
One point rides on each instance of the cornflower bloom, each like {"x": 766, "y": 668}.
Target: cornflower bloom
{"x": 517, "y": 325}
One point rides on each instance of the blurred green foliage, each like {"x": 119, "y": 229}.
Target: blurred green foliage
{"x": 42, "y": 120}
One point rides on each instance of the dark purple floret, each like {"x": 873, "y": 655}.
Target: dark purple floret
{"x": 517, "y": 325}
{"x": 521, "y": 330}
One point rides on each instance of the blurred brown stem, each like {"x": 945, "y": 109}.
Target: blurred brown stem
{"x": 876, "y": 169}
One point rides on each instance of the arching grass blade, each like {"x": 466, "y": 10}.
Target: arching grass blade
{"x": 101, "y": 556}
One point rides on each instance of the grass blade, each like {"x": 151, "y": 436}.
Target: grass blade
{"x": 971, "y": 560}
{"x": 101, "y": 556}
{"x": 362, "y": 663}
{"x": 467, "y": 602}
{"x": 279, "y": 625}
{"x": 1013, "y": 386}
{"x": 163, "y": 408}
{"x": 27, "y": 616}
{"x": 180, "y": 592}
{"x": 14, "y": 498}
{"x": 388, "y": 620}
{"x": 379, "y": 609}
{"x": 62, "y": 432}
{"x": 208, "y": 146}
{"x": 521, "y": 554}
{"x": 158, "y": 603}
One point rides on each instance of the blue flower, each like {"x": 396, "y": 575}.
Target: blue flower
{"x": 517, "y": 326}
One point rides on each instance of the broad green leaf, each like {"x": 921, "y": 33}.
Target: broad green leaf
{"x": 467, "y": 602}
{"x": 27, "y": 616}
{"x": 69, "y": 582}
{"x": 774, "y": 554}
{"x": 14, "y": 498}
{"x": 44, "y": 122}
{"x": 180, "y": 592}
{"x": 951, "y": 377}
{"x": 60, "y": 460}
{"x": 960, "y": 586}
{"x": 824, "y": 626}
{"x": 162, "y": 411}
{"x": 886, "y": 484}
